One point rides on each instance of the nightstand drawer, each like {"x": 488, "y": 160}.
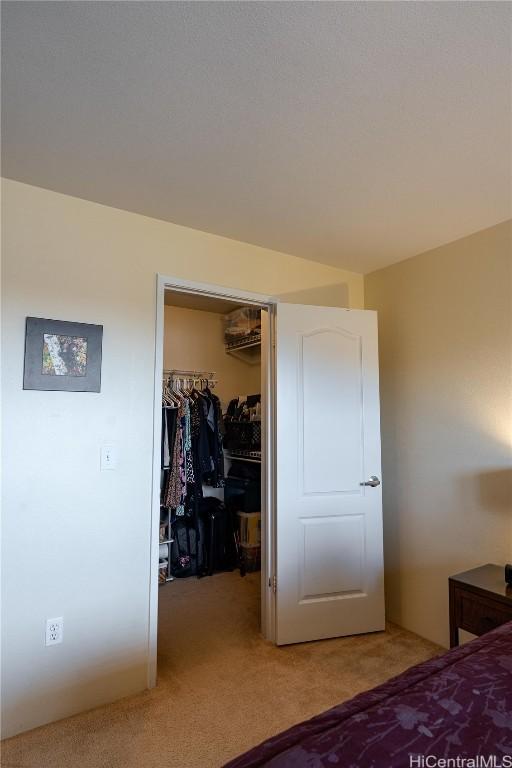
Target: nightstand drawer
{"x": 480, "y": 600}
{"x": 480, "y": 616}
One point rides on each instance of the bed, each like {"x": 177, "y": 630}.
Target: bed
{"x": 457, "y": 704}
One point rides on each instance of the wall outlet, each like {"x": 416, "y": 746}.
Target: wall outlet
{"x": 54, "y": 631}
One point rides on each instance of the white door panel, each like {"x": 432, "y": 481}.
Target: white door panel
{"x": 338, "y": 356}
{"x": 329, "y": 526}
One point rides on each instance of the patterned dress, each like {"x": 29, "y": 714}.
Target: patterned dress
{"x": 177, "y": 484}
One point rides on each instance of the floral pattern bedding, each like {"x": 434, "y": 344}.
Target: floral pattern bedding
{"x": 458, "y": 705}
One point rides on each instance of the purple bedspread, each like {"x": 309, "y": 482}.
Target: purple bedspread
{"x": 458, "y": 704}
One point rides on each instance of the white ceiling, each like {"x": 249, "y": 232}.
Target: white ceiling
{"x": 355, "y": 134}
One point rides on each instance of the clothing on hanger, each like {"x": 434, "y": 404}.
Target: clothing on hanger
{"x": 192, "y": 430}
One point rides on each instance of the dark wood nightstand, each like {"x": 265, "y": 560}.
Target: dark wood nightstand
{"x": 480, "y": 600}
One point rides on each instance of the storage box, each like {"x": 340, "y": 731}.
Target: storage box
{"x": 249, "y": 524}
{"x": 242, "y": 435}
{"x": 242, "y": 323}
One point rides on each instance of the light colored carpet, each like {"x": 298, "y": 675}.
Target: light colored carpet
{"x": 221, "y": 688}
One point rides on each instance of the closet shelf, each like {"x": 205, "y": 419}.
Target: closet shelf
{"x": 241, "y": 455}
{"x": 246, "y": 349}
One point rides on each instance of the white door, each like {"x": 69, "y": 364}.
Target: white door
{"x": 329, "y": 561}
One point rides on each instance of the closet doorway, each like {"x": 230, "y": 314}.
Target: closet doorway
{"x": 214, "y": 449}
{"x": 318, "y": 472}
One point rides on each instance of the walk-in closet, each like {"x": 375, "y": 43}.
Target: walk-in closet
{"x": 211, "y": 462}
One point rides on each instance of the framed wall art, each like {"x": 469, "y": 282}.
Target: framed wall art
{"x": 60, "y": 355}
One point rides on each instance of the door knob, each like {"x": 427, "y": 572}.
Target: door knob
{"x": 373, "y": 482}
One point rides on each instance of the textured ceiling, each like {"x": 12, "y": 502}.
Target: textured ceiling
{"x": 355, "y": 134}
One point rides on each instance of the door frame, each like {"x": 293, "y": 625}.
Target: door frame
{"x": 268, "y": 521}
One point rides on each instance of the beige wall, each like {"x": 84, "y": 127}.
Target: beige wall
{"x": 76, "y": 541}
{"x": 194, "y": 341}
{"x": 445, "y": 339}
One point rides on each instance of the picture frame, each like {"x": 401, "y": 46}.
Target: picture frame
{"x": 62, "y": 355}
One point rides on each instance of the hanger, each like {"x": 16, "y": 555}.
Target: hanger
{"x": 189, "y": 386}
{"x": 174, "y": 389}
{"x": 168, "y": 393}
{"x": 166, "y": 397}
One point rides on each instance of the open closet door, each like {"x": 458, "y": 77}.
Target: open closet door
{"x": 329, "y": 556}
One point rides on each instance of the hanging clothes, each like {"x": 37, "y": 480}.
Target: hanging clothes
{"x": 215, "y": 476}
{"x": 169, "y": 419}
{"x": 176, "y": 491}
{"x": 192, "y": 439}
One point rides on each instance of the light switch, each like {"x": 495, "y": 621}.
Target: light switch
{"x": 108, "y": 457}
